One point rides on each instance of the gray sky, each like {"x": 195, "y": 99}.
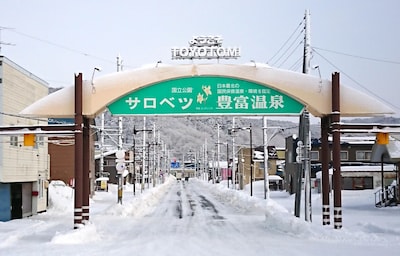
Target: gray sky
{"x": 55, "y": 39}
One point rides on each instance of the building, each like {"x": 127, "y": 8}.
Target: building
{"x": 62, "y": 155}
{"x": 358, "y": 171}
{"x": 24, "y": 170}
{"x": 276, "y": 158}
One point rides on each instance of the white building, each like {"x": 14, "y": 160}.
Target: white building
{"x": 24, "y": 170}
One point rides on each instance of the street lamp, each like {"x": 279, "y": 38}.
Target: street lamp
{"x": 251, "y": 153}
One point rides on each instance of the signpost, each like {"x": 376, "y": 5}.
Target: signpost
{"x": 202, "y": 95}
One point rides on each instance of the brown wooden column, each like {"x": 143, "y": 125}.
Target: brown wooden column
{"x": 337, "y": 179}
{"x": 325, "y": 155}
{"x": 86, "y": 167}
{"x": 78, "y": 151}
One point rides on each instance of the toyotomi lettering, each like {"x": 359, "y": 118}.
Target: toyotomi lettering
{"x": 205, "y": 53}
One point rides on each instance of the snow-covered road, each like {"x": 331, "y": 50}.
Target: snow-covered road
{"x": 190, "y": 216}
{"x": 193, "y": 218}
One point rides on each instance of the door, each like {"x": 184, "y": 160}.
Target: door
{"x": 16, "y": 201}
{"x": 26, "y": 199}
{"x": 5, "y": 202}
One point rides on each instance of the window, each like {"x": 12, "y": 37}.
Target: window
{"x": 363, "y": 155}
{"x": 14, "y": 141}
{"x": 41, "y": 188}
{"x": 344, "y": 155}
{"x": 314, "y": 155}
{"x": 39, "y": 141}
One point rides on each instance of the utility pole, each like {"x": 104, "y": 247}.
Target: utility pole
{"x": 120, "y": 143}
{"x": 251, "y": 161}
{"x": 159, "y": 146}
{"x": 266, "y": 174}
{"x": 233, "y": 155}
{"x": 143, "y": 154}
{"x": 205, "y": 161}
{"x": 227, "y": 162}
{"x": 218, "y": 153}
{"x": 304, "y": 134}
{"x": 306, "y": 122}
{"x": 154, "y": 155}
{"x": 134, "y": 163}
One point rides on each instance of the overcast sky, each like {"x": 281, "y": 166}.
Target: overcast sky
{"x": 55, "y": 39}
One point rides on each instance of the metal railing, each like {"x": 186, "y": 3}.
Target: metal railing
{"x": 387, "y": 197}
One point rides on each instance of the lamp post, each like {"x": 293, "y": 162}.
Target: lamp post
{"x": 251, "y": 153}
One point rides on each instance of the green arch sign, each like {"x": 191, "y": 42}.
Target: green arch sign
{"x": 206, "y": 95}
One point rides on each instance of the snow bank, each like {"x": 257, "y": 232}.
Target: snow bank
{"x": 86, "y": 233}
{"x": 61, "y": 198}
{"x": 143, "y": 204}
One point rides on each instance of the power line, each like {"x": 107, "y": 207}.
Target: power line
{"x": 359, "y": 57}
{"x": 4, "y": 43}
{"x": 284, "y": 44}
{"x": 295, "y": 66}
{"x": 291, "y": 53}
{"x": 62, "y": 47}
{"x": 359, "y": 84}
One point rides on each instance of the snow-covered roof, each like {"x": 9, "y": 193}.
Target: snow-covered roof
{"x": 102, "y": 179}
{"x": 368, "y": 168}
{"x": 389, "y": 153}
{"x": 214, "y": 164}
{"x": 274, "y": 177}
{"x": 314, "y": 93}
{"x": 107, "y": 153}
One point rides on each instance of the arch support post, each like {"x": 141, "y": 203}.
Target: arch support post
{"x": 85, "y": 169}
{"x": 337, "y": 179}
{"x": 78, "y": 152}
{"x": 325, "y": 155}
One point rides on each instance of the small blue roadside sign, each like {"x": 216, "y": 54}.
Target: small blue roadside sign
{"x": 175, "y": 165}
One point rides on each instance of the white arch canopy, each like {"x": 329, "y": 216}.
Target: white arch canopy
{"x": 314, "y": 93}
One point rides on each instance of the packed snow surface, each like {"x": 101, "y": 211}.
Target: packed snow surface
{"x": 199, "y": 218}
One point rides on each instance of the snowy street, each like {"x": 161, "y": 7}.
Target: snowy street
{"x": 199, "y": 218}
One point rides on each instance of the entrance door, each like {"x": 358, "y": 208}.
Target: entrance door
{"x": 5, "y": 202}
{"x": 16, "y": 201}
{"x": 26, "y": 199}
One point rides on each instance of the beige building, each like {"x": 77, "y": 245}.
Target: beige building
{"x": 244, "y": 165}
{"x": 24, "y": 170}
